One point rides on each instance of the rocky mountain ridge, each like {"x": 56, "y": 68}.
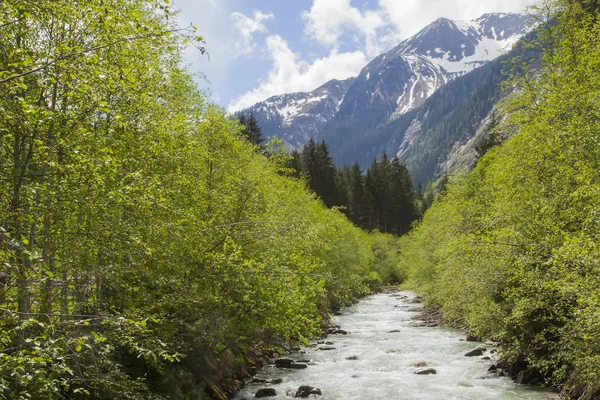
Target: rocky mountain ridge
{"x": 357, "y": 117}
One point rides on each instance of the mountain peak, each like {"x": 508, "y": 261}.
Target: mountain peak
{"x": 393, "y": 83}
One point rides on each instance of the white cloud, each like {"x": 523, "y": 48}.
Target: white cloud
{"x": 410, "y": 16}
{"x": 246, "y": 27}
{"x": 290, "y": 73}
{"x": 327, "y": 20}
{"x": 326, "y": 23}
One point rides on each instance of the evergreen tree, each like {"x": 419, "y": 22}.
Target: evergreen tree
{"x": 390, "y": 196}
{"x": 295, "y": 163}
{"x": 252, "y": 130}
{"x": 358, "y": 207}
{"x": 343, "y": 188}
{"x": 318, "y": 164}
{"x": 403, "y": 209}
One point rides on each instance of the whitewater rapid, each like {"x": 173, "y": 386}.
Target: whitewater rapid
{"x": 386, "y": 344}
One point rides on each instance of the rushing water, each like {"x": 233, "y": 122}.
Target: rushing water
{"x": 384, "y": 368}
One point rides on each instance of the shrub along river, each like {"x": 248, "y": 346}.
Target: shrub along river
{"x": 380, "y": 356}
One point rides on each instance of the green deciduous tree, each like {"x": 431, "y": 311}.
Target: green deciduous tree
{"x": 510, "y": 251}
{"x": 146, "y": 250}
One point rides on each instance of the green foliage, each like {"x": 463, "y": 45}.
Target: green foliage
{"x": 510, "y": 251}
{"x": 143, "y": 243}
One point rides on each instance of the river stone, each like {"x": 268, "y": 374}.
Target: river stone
{"x": 493, "y": 368}
{"x": 275, "y": 381}
{"x": 426, "y": 371}
{"x": 476, "y": 352}
{"x": 329, "y": 343}
{"x": 304, "y": 391}
{"x": 352, "y": 358}
{"x": 394, "y": 331}
{"x": 338, "y": 332}
{"x": 326, "y": 348}
{"x": 297, "y": 366}
{"x": 266, "y": 392}
{"x": 283, "y": 362}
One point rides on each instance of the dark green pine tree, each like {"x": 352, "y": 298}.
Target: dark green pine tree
{"x": 390, "y": 204}
{"x": 378, "y": 188}
{"x": 252, "y": 130}
{"x": 374, "y": 195}
{"x": 342, "y": 182}
{"x": 318, "y": 164}
{"x": 358, "y": 205}
{"x": 295, "y": 163}
{"x": 403, "y": 210}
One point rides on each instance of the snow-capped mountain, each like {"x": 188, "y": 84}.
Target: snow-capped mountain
{"x": 360, "y": 116}
{"x": 439, "y": 53}
{"x": 296, "y": 117}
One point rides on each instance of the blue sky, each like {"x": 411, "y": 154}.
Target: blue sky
{"x": 260, "y": 48}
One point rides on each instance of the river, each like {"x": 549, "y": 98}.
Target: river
{"x": 384, "y": 363}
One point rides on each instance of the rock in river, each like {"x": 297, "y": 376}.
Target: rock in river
{"x": 304, "y": 391}
{"x": 476, "y": 352}
{"x": 267, "y": 392}
{"x": 426, "y": 371}
{"x": 297, "y": 366}
{"x": 338, "y": 332}
{"x": 283, "y": 362}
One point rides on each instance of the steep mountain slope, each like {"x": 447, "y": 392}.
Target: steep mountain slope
{"x": 402, "y": 79}
{"x": 437, "y": 54}
{"x": 392, "y": 84}
{"x": 422, "y": 100}
{"x": 443, "y": 132}
{"x": 296, "y": 117}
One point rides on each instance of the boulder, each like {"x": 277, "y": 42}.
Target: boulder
{"x": 266, "y": 392}
{"x": 493, "y": 368}
{"x": 275, "y": 381}
{"x": 283, "y": 362}
{"x": 476, "y": 352}
{"x": 326, "y": 348}
{"x": 352, "y": 358}
{"x": 304, "y": 391}
{"x": 329, "y": 343}
{"x": 426, "y": 371}
{"x": 338, "y": 332}
{"x": 297, "y": 366}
